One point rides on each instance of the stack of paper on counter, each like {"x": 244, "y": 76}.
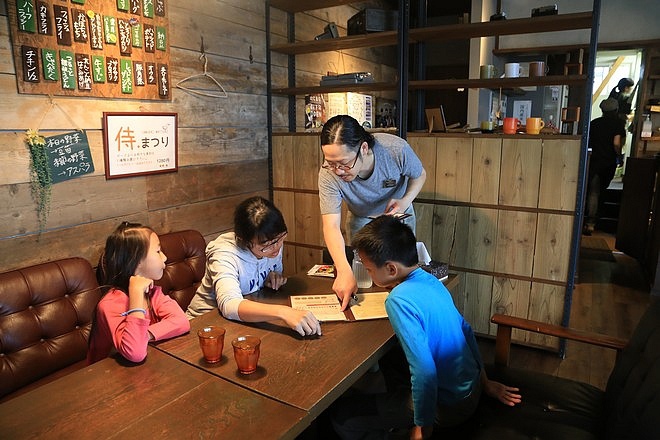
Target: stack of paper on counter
{"x": 326, "y": 307}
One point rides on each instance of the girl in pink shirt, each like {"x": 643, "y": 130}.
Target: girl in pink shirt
{"x": 133, "y": 311}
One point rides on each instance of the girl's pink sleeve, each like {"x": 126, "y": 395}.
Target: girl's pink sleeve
{"x": 172, "y": 321}
{"x": 130, "y": 334}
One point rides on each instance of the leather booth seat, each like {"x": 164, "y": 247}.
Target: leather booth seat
{"x": 185, "y": 265}
{"x": 555, "y": 408}
{"x": 45, "y": 317}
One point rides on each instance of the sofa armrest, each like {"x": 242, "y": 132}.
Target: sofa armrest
{"x": 506, "y": 323}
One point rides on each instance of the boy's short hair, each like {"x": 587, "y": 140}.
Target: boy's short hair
{"x": 387, "y": 239}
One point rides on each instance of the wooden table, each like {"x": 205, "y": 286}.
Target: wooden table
{"x": 306, "y": 372}
{"x": 160, "y": 398}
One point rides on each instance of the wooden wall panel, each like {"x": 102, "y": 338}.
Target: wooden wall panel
{"x": 195, "y": 184}
{"x": 482, "y": 238}
{"x": 516, "y": 234}
{"x": 425, "y": 149}
{"x": 478, "y": 300}
{"x": 73, "y": 202}
{"x": 559, "y": 174}
{"x": 208, "y": 217}
{"x": 553, "y": 246}
{"x": 520, "y": 175}
{"x": 308, "y": 219}
{"x": 450, "y": 234}
{"x": 289, "y": 259}
{"x": 511, "y": 297}
{"x": 546, "y": 304}
{"x": 85, "y": 240}
{"x": 282, "y": 160}
{"x": 453, "y": 169}
{"x": 306, "y": 163}
{"x": 486, "y": 157}
{"x": 285, "y": 202}
{"x": 307, "y": 257}
{"x": 424, "y": 227}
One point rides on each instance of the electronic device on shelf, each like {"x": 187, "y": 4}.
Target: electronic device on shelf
{"x": 347, "y": 78}
{"x": 498, "y": 16}
{"x": 545, "y": 10}
{"x": 330, "y": 31}
{"x": 372, "y": 20}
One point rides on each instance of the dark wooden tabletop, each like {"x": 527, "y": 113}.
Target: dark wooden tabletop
{"x": 160, "y": 398}
{"x": 306, "y": 372}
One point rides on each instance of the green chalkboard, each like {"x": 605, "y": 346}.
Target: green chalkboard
{"x": 68, "y": 156}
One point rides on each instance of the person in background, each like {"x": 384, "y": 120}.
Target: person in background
{"x": 373, "y": 174}
{"x": 241, "y": 262}
{"x": 133, "y": 311}
{"x": 443, "y": 374}
{"x": 606, "y": 135}
{"x": 623, "y": 95}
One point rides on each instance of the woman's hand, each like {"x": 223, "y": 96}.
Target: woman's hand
{"x": 344, "y": 286}
{"x": 302, "y": 321}
{"x": 275, "y": 280}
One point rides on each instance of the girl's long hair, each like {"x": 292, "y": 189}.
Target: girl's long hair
{"x": 124, "y": 249}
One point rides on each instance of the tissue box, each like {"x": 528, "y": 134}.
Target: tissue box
{"x": 437, "y": 269}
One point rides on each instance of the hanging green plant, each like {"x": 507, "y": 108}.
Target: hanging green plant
{"x": 40, "y": 180}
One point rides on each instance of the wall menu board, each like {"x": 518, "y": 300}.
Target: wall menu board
{"x": 94, "y": 48}
{"x": 68, "y": 156}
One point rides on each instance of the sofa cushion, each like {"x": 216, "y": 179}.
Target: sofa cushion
{"x": 185, "y": 265}
{"x": 45, "y": 317}
{"x": 551, "y": 408}
{"x": 633, "y": 389}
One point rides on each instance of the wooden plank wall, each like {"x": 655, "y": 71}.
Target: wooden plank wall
{"x": 223, "y": 143}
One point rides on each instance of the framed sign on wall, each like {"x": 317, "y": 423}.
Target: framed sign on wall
{"x": 139, "y": 143}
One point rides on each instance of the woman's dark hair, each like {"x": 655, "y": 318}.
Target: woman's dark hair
{"x": 257, "y": 218}
{"x": 625, "y": 82}
{"x": 345, "y": 130}
{"x": 124, "y": 249}
{"x": 387, "y": 239}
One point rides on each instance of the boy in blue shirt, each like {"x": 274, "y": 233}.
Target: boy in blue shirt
{"x": 446, "y": 370}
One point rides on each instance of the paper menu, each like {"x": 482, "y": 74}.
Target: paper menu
{"x": 370, "y": 306}
{"x": 327, "y": 307}
{"x": 324, "y": 307}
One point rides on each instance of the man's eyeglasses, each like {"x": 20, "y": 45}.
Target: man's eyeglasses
{"x": 343, "y": 167}
{"x": 270, "y": 246}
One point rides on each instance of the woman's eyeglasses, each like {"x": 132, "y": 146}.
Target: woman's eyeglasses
{"x": 270, "y": 246}
{"x": 343, "y": 167}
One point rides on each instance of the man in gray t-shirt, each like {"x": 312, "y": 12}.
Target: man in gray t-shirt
{"x": 374, "y": 174}
{"x": 395, "y": 163}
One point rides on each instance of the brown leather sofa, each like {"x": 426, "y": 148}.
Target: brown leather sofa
{"x": 555, "y": 408}
{"x": 45, "y": 317}
{"x": 46, "y": 311}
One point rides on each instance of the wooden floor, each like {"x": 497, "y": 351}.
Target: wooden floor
{"x": 610, "y": 296}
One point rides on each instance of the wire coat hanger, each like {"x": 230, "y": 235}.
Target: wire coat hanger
{"x": 204, "y": 74}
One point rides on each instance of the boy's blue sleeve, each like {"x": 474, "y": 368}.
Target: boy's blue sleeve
{"x": 472, "y": 343}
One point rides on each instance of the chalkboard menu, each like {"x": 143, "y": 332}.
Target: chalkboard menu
{"x": 68, "y": 156}
{"x": 105, "y": 48}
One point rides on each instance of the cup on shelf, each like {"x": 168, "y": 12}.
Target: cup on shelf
{"x": 487, "y": 71}
{"x": 211, "y": 341}
{"x": 512, "y": 70}
{"x": 534, "y": 125}
{"x": 246, "y": 353}
{"x": 511, "y": 125}
{"x": 487, "y": 126}
{"x": 537, "y": 68}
